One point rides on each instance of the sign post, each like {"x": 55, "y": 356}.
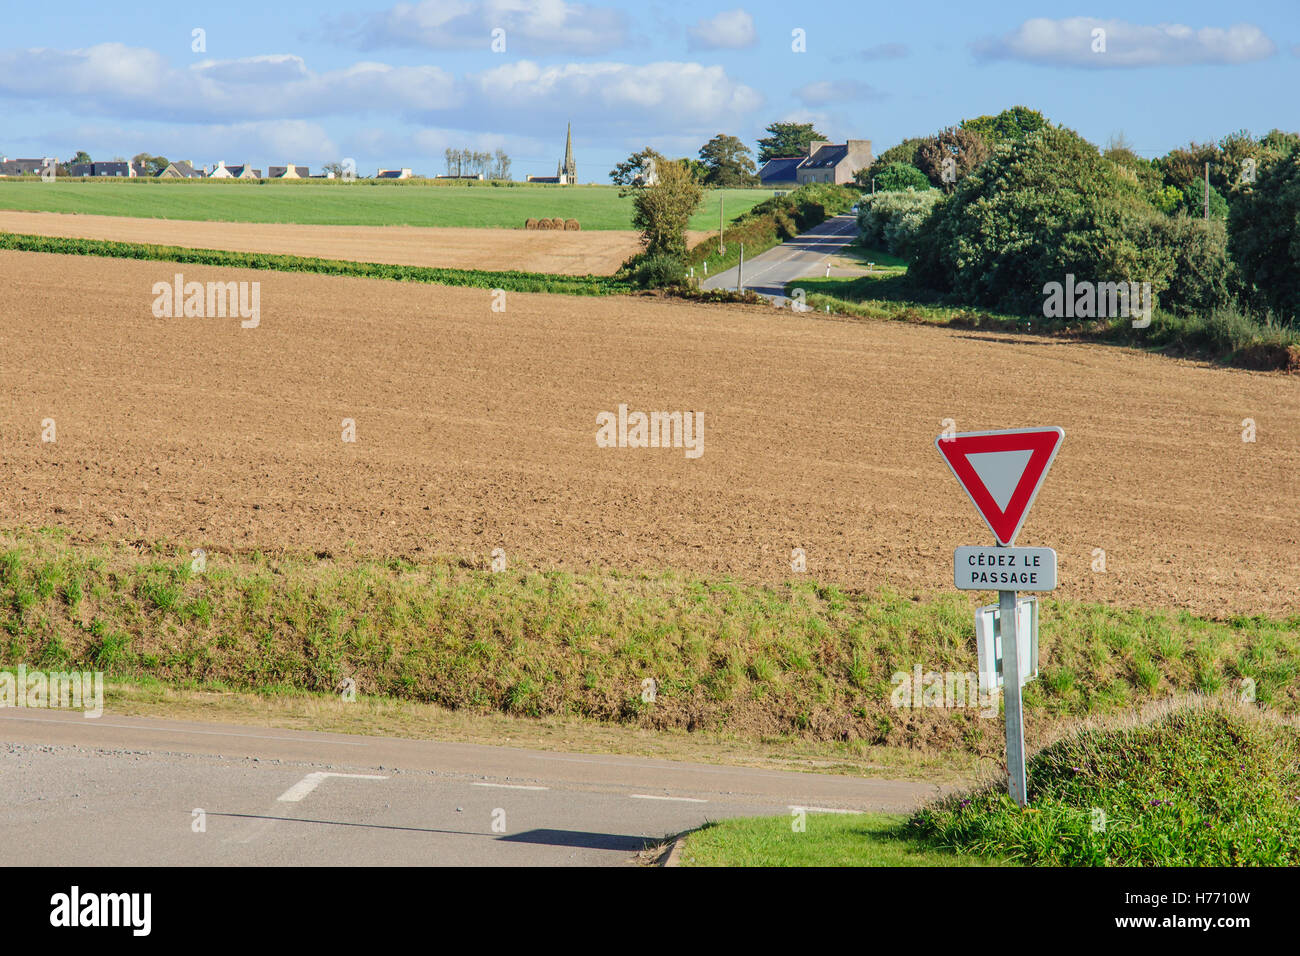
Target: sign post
{"x": 1002, "y": 472}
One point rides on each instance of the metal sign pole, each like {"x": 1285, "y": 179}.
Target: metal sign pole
{"x": 1010, "y": 633}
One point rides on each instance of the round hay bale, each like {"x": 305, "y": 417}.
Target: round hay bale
{"x": 571, "y": 225}
{"x": 543, "y": 224}
{"x": 557, "y": 223}
{"x": 530, "y": 223}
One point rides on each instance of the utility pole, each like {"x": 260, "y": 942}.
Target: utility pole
{"x": 1207, "y": 192}
{"x": 722, "y": 246}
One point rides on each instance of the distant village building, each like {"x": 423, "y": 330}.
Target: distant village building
{"x": 234, "y": 172}
{"x": 287, "y": 172}
{"x": 396, "y": 174}
{"x": 181, "y": 169}
{"x": 825, "y": 162}
{"x": 566, "y": 171}
{"x": 25, "y": 167}
{"x": 104, "y": 169}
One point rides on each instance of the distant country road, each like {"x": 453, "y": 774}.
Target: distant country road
{"x": 124, "y": 791}
{"x": 801, "y": 257}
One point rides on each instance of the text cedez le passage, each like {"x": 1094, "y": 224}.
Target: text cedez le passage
{"x": 1014, "y": 571}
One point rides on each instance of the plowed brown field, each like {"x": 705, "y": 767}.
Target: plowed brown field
{"x": 476, "y": 430}
{"x": 565, "y": 253}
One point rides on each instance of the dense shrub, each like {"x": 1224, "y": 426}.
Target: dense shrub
{"x": 1264, "y": 237}
{"x": 657, "y": 271}
{"x": 1046, "y": 207}
{"x": 891, "y": 220}
{"x": 900, "y": 176}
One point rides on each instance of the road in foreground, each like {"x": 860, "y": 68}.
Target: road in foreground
{"x": 129, "y": 791}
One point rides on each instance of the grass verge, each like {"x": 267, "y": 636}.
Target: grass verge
{"x": 868, "y": 839}
{"x": 800, "y": 661}
{"x": 476, "y": 278}
{"x": 1205, "y": 784}
{"x": 1226, "y": 335}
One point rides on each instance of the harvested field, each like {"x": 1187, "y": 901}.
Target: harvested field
{"x": 475, "y": 430}
{"x": 570, "y": 252}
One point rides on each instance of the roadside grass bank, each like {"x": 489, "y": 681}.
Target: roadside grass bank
{"x": 409, "y": 202}
{"x": 368, "y": 715}
{"x": 827, "y": 839}
{"x": 475, "y": 278}
{"x": 1202, "y": 784}
{"x": 803, "y": 661}
{"x": 1226, "y": 336}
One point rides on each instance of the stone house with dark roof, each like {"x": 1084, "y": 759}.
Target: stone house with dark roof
{"x": 825, "y": 162}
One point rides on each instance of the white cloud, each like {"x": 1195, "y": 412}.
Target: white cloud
{"x": 729, "y": 30}
{"x": 836, "y": 91}
{"x": 133, "y": 81}
{"x": 650, "y": 95}
{"x": 1070, "y": 42}
{"x": 531, "y": 26}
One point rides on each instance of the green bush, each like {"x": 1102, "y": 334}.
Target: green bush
{"x": 901, "y": 176}
{"x": 1042, "y": 208}
{"x": 1264, "y": 237}
{"x": 892, "y": 220}
{"x": 658, "y": 271}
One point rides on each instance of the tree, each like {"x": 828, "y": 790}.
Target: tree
{"x": 81, "y": 157}
{"x": 153, "y": 165}
{"x": 662, "y": 211}
{"x": 786, "y": 139}
{"x": 964, "y": 147}
{"x": 636, "y": 165}
{"x": 900, "y": 176}
{"x": 501, "y": 166}
{"x": 1009, "y": 126}
{"x": 727, "y": 162}
{"x": 1264, "y": 236}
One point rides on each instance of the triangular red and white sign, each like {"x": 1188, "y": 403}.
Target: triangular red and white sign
{"x": 1001, "y": 471}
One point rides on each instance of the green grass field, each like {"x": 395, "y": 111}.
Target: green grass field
{"x": 357, "y": 204}
{"x": 868, "y": 839}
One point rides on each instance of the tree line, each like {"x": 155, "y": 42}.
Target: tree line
{"x": 724, "y": 161}
{"x": 471, "y": 162}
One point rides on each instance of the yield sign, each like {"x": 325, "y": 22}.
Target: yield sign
{"x": 1001, "y": 471}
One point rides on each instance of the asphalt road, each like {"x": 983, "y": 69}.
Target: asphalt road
{"x": 133, "y": 791}
{"x": 805, "y": 255}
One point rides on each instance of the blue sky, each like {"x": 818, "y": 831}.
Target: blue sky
{"x": 393, "y": 84}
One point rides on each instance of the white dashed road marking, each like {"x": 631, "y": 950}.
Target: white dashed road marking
{"x": 509, "y": 786}
{"x": 651, "y": 796}
{"x": 310, "y": 782}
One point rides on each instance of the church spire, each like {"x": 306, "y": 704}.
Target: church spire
{"x": 570, "y": 167}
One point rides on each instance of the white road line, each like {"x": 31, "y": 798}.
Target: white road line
{"x": 508, "y": 786}
{"x": 651, "y": 796}
{"x": 310, "y": 782}
{"x": 823, "y": 809}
